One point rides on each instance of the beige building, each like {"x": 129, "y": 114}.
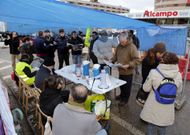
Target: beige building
{"x": 165, "y": 5}
{"x": 94, "y": 4}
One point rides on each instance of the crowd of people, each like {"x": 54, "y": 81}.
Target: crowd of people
{"x": 66, "y": 107}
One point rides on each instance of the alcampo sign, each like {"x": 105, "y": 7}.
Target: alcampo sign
{"x": 161, "y": 14}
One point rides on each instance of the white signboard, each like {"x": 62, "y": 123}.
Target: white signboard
{"x": 161, "y": 14}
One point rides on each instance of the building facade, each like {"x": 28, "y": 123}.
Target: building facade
{"x": 94, "y": 4}
{"x": 170, "y": 17}
{"x": 165, "y": 5}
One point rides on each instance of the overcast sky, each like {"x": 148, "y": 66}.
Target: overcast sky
{"x": 133, "y": 5}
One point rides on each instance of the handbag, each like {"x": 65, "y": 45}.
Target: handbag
{"x": 102, "y": 108}
{"x": 48, "y": 130}
{"x": 98, "y": 104}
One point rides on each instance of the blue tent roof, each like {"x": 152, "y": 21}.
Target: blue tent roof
{"x": 27, "y": 16}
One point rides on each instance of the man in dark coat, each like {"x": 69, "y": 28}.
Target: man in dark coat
{"x": 49, "y": 44}
{"x": 14, "y": 46}
{"x": 62, "y": 49}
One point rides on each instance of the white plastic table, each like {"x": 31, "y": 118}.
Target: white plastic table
{"x": 67, "y": 72}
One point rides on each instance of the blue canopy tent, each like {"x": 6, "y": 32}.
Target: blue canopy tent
{"x": 30, "y": 16}
{"x": 26, "y": 16}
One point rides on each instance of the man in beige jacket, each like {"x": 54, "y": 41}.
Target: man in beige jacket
{"x": 127, "y": 55}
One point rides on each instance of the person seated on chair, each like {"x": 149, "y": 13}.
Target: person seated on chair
{"x": 53, "y": 94}
{"x": 73, "y": 114}
{"x": 25, "y": 71}
{"x": 45, "y": 71}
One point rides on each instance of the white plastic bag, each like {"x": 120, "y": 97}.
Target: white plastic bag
{"x": 48, "y": 130}
{"x": 102, "y": 108}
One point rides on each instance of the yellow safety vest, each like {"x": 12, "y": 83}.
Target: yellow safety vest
{"x": 19, "y": 70}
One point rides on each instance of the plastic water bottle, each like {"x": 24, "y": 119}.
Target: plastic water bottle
{"x": 78, "y": 70}
{"x": 107, "y": 69}
{"x": 103, "y": 84}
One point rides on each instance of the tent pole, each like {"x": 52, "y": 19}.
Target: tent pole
{"x": 182, "y": 97}
{"x": 186, "y": 70}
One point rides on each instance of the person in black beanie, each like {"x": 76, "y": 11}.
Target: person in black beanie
{"x": 46, "y": 70}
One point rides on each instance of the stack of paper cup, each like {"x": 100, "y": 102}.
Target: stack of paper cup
{"x": 96, "y": 70}
{"x": 86, "y": 68}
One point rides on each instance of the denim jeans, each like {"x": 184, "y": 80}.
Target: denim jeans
{"x": 101, "y": 132}
{"x": 155, "y": 130}
{"x": 77, "y": 59}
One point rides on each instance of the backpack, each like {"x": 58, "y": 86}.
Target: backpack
{"x": 166, "y": 91}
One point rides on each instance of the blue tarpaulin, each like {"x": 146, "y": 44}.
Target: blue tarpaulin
{"x": 27, "y": 16}
{"x": 174, "y": 38}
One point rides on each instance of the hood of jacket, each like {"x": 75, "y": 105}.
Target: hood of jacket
{"x": 103, "y": 38}
{"x": 169, "y": 70}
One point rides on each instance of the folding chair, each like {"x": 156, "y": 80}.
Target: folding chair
{"x": 40, "y": 114}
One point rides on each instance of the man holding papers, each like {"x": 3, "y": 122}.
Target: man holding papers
{"x": 128, "y": 58}
{"x": 76, "y": 44}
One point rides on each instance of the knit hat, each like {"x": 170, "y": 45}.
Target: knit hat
{"x": 49, "y": 62}
{"x": 26, "y": 58}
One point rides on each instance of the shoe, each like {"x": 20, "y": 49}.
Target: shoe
{"x": 140, "y": 103}
{"x": 122, "y": 103}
